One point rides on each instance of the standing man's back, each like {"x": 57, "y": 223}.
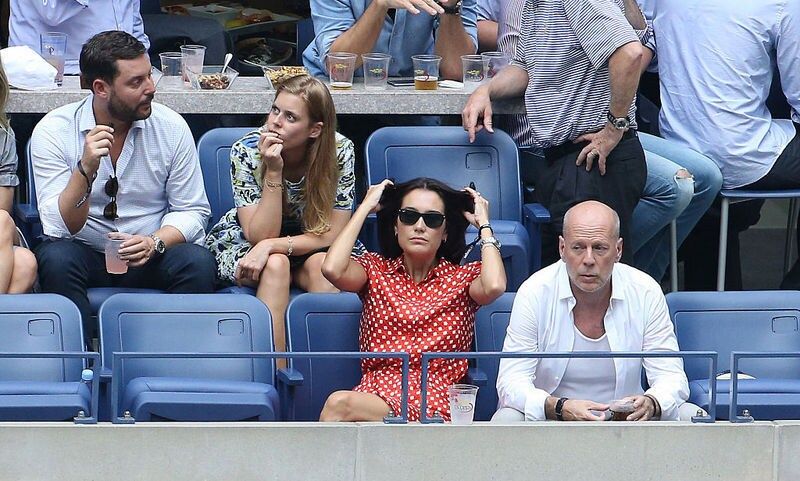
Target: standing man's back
{"x": 716, "y": 61}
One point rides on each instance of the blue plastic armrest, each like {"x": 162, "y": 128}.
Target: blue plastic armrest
{"x": 536, "y": 213}
{"x": 26, "y": 213}
{"x": 476, "y": 376}
{"x": 290, "y": 376}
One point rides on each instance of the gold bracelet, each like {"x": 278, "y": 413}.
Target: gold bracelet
{"x": 290, "y": 248}
{"x": 271, "y": 186}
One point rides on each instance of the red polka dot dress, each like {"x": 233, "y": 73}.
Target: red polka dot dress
{"x": 436, "y": 315}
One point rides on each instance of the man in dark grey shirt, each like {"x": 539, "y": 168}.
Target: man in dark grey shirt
{"x": 577, "y": 63}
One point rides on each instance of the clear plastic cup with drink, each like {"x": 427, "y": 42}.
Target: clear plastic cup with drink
{"x": 341, "y": 67}
{"x": 473, "y": 70}
{"x": 171, "y": 68}
{"x": 53, "y": 47}
{"x": 192, "y": 57}
{"x": 426, "y": 71}
{"x": 621, "y": 409}
{"x": 376, "y": 70}
{"x": 496, "y": 61}
{"x": 115, "y": 265}
{"x": 462, "y": 403}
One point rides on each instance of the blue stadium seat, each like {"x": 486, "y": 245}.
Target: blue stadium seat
{"x": 491, "y": 162}
{"x": 491, "y": 322}
{"x": 41, "y": 389}
{"x": 320, "y": 323}
{"x": 190, "y": 389}
{"x": 742, "y": 321}
{"x": 214, "y": 149}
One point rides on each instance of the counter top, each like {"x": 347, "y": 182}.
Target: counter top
{"x": 249, "y": 95}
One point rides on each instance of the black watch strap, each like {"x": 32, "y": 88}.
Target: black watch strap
{"x": 560, "y": 407}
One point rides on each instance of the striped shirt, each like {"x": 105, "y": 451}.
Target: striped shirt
{"x": 160, "y": 182}
{"x": 565, "y": 50}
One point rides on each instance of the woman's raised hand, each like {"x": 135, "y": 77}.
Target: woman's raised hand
{"x": 481, "y": 214}
{"x": 372, "y": 200}
{"x": 270, "y": 147}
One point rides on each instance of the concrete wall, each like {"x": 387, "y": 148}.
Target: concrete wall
{"x": 375, "y": 452}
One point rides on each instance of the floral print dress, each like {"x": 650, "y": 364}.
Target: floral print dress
{"x": 226, "y": 239}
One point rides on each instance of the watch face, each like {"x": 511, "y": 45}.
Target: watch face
{"x": 621, "y": 124}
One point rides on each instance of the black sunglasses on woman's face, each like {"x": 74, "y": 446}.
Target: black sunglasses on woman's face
{"x": 410, "y": 217}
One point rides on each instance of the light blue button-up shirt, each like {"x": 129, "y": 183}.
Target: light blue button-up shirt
{"x": 79, "y": 19}
{"x": 488, "y": 10}
{"x": 716, "y": 61}
{"x": 407, "y": 35}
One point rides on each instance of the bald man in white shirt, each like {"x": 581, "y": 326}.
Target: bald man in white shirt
{"x": 588, "y": 301}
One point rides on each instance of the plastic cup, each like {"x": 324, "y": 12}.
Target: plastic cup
{"x": 620, "y": 409}
{"x": 376, "y": 70}
{"x": 426, "y": 71}
{"x": 473, "y": 69}
{"x": 115, "y": 265}
{"x": 192, "y": 57}
{"x": 171, "y": 68}
{"x": 496, "y": 61}
{"x": 462, "y": 403}
{"x": 53, "y": 47}
{"x": 341, "y": 66}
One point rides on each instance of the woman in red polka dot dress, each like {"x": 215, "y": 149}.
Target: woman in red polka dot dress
{"x": 417, "y": 298}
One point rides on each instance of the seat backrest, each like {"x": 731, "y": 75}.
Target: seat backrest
{"x": 40, "y": 323}
{"x": 444, "y": 153}
{"x": 201, "y": 323}
{"x": 322, "y": 322}
{"x": 491, "y": 322}
{"x": 214, "y": 149}
{"x": 738, "y": 321}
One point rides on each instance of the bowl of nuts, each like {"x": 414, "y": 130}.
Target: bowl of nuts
{"x": 212, "y": 78}
{"x": 276, "y": 75}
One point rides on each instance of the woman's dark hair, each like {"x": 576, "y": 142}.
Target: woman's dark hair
{"x": 455, "y": 203}
{"x": 100, "y": 53}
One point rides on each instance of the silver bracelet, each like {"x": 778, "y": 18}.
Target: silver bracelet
{"x": 290, "y": 248}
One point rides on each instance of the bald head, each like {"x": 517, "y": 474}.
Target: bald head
{"x": 594, "y": 215}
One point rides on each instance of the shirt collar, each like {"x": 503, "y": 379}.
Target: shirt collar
{"x": 564, "y": 289}
{"x": 443, "y": 268}
{"x": 87, "y": 122}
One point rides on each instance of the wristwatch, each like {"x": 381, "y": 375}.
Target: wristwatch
{"x": 619, "y": 123}
{"x": 452, "y": 9}
{"x": 159, "y": 246}
{"x": 559, "y": 408}
{"x": 491, "y": 240}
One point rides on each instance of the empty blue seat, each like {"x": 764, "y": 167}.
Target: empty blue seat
{"x": 742, "y": 321}
{"x": 491, "y": 162}
{"x": 491, "y": 322}
{"x": 41, "y": 389}
{"x": 320, "y": 323}
{"x": 198, "y": 389}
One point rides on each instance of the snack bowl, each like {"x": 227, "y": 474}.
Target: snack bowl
{"x": 212, "y": 78}
{"x": 278, "y": 74}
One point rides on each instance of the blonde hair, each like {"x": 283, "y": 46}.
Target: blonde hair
{"x": 322, "y": 174}
{"x": 3, "y": 97}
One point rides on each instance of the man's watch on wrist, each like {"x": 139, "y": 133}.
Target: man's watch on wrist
{"x": 454, "y": 9}
{"x": 159, "y": 247}
{"x": 559, "y": 409}
{"x": 619, "y": 123}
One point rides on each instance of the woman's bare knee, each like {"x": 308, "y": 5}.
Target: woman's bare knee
{"x": 276, "y": 270}
{"x": 7, "y": 230}
{"x": 312, "y": 275}
{"x": 24, "y": 274}
{"x": 338, "y": 407}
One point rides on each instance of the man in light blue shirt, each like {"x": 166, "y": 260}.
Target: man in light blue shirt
{"x": 79, "y": 19}
{"x": 488, "y": 18}
{"x": 717, "y": 59}
{"x": 446, "y": 28}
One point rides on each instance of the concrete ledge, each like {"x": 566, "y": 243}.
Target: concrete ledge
{"x": 373, "y": 452}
